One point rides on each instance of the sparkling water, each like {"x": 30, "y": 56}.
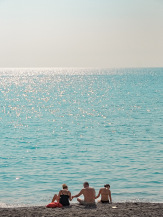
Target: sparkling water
{"x": 67, "y": 125}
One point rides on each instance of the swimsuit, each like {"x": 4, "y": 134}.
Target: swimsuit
{"x": 82, "y": 202}
{"x": 104, "y": 201}
{"x": 64, "y": 199}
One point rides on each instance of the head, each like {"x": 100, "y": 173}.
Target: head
{"x": 64, "y": 186}
{"x": 86, "y": 184}
{"x": 107, "y": 186}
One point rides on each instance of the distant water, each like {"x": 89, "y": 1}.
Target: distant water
{"x": 74, "y": 125}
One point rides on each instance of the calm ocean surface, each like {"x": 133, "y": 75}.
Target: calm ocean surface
{"x": 74, "y": 125}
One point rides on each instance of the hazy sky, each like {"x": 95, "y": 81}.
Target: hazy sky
{"x": 81, "y": 33}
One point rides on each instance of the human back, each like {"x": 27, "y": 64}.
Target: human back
{"x": 89, "y": 194}
{"x": 105, "y": 194}
{"x": 64, "y": 196}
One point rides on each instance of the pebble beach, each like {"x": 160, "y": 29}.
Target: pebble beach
{"x": 100, "y": 210}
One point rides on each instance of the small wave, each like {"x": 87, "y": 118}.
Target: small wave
{"x": 6, "y": 205}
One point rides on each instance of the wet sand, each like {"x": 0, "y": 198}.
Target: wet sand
{"x": 103, "y": 210}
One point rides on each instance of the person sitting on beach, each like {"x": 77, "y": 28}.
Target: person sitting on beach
{"x": 89, "y": 195}
{"x": 64, "y": 196}
{"x": 105, "y": 194}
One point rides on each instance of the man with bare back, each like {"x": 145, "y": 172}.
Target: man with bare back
{"x": 89, "y": 195}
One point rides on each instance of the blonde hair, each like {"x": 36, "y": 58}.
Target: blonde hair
{"x": 64, "y": 186}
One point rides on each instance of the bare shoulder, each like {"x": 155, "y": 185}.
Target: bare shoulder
{"x": 69, "y": 192}
{"x": 90, "y": 188}
{"x": 82, "y": 190}
{"x": 105, "y": 191}
{"x": 102, "y": 189}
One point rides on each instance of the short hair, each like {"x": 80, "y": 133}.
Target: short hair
{"x": 107, "y": 185}
{"x": 86, "y": 183}
{"x": 64, "y": 186}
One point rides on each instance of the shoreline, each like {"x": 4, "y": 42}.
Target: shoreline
{"x": 114, "y": 209}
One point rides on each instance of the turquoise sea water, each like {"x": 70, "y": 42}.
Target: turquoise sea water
{"x": 74, "y": 125}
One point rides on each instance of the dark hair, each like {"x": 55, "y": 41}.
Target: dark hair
{"x": 86, "y": 183}
{"x": 107, "y": 185}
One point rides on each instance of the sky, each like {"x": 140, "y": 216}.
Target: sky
{"x": 81, "y": 33}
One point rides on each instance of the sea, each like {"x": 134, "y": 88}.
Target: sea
{"x": 71, "y": 125}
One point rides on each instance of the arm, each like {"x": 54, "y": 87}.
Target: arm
{"x": 110, "y": 196}
{"x": 77, "y": 195}
{"x": 70, "y": 196}
{"x": 98, "y": 194}
{"x": 58, "y": 196}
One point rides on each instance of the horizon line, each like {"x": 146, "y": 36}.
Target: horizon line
{"x": 78, "y": 67}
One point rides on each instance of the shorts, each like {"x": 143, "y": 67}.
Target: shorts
{"x": 82, "y": 202}
{"x": 104, "y": 201}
